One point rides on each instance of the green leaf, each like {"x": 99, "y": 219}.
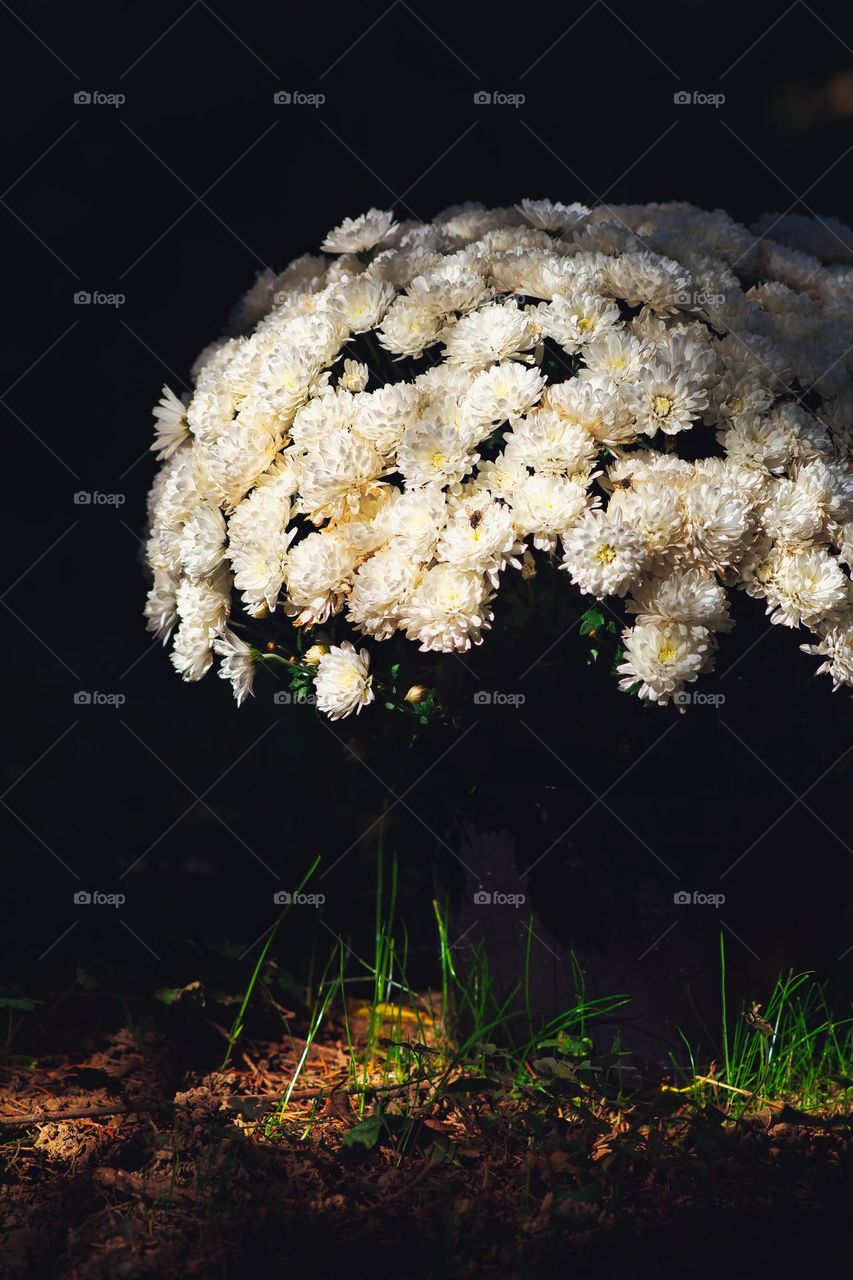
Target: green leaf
{"x": 365, "y": 1134}
{"x": 14, "y": 1002}
{"x": 591, "y": 621}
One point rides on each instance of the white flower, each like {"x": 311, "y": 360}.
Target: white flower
{"x": 361, "y": 303}
{"x": 355, "y": 376}
{"x": 408, "y": 328}
{"x": 238, "y": 664}
{"x": 380, "y": 589}
{"x": 480, "y": 537}
{"x": 663, "y": 657}
{"x": 665, "y": 398}
{"x": 448, "y": 610}
{"x": 171, "y": 427}
{"x": 836, "y": 647}
{"x": 806, "y": 586}
{"x": 343, "y": 683}
{"x": 578, "y": 319}
{"x": 544, "y": 507}
{"x": 500, "y": 331}
{"x": 604, "y": 554}
{"x": 503, "y": 392}
{"x": 435, "y": 453}
{"x": 476, "y": 443}
{"x": 318, "y": 576}
{"x": 358, "y": 235}
{"x": 552, "y": 216}
{"x": 691, "y": 596}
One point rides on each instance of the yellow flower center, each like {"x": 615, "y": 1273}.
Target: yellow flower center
{"x": 666, "y": 653}
{"x": 605, "y": 554}
{"x": 438, "y": 460}
{"x": 661, "y": 406}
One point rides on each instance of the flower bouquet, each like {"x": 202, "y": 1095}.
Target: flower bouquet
{"x": 408, "y": 440}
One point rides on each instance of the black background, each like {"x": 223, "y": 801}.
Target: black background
{"x": 175, "y": 199}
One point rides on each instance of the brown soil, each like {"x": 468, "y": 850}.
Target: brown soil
{"x": 178, "y": 1170}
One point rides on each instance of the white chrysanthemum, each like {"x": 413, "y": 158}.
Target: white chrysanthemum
{"x": 343, "y": 684}
{"x": 548, "y": 443}
{"x": 448, "y": 610}
{"x": 665, "y": 398}
{"x": 480, "y": 536}
{"x": 544, "y": 507}
{"x": 355, "y": 376}
{"x": 319, "y": 574}
{"x": 600, "y": 410}
{"x": 238, "y": 664}
{"x": 617, "y": 356}
{"x": 553, "y": 216}
{"x": 755, "y": 441}
{"x": 576, "y": 320}
{"x": 501, "y": 393}
{"x": 361, "y": 303}
{"x": 604, "y": 554}
{"x": 337, "y": 474}
{"x": 449, "y": 287}
{"x": 358, "y": 235}
{"x": 689, "y": 596}
{"x": 203, "y": 608}
{"x": 500, "y": 331}
{"x": 202, "y": 541}
{"x": 435, "y": 453}
{"x": 806, "y": 587}
{"x": 673, "y": 318}
{"x": 719, "y": 526}
{"x": 171, "y": 427}
{"x": 382, "y": 416}
{"x": 663, "y": 657}
{"x": 836, "y": 647}
{"x": 380, "y": 589}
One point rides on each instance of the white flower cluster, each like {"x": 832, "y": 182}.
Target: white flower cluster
{"x": 401, "y": 423}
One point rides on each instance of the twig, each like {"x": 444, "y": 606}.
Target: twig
{"x": 83, "y": 1113}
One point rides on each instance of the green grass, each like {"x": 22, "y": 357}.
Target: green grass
{"x": 792, "y": 1049}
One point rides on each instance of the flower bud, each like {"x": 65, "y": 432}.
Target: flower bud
{"x": 416, "y": 693}
{"x": 314, "y": 654}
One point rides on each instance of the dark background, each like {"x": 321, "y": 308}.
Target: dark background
{"x": 175, "y": 199}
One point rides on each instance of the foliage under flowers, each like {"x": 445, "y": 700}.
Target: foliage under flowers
{"x": 651, "y": 397}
